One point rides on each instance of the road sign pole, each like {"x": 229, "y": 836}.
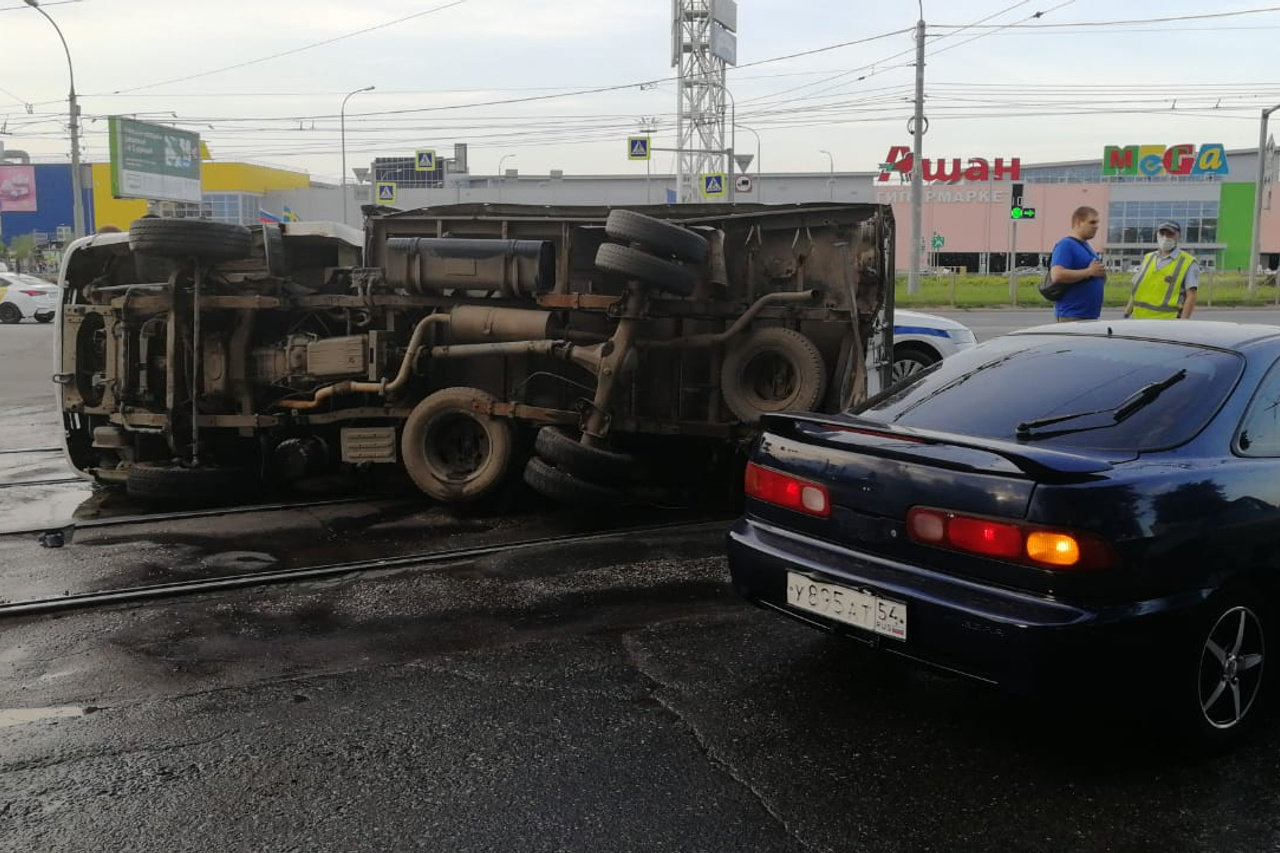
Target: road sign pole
{"x": 1013, "y": 261}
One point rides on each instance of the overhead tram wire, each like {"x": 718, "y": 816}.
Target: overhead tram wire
{"x": 1169, "y": 19}
{"x": 886, "y": 62}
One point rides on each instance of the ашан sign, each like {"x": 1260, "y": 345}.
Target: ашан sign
{"x": 944, "y": 171}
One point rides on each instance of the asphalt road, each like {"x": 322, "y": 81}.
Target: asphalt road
{"x": 611, "y": 696}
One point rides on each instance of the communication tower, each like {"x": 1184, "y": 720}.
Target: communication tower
{"x": 704, "y": 42}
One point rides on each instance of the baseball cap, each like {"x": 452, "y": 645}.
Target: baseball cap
{"x": 1169, "y": 225}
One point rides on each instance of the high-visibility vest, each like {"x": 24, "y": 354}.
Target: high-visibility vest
{"x": 1157, "y": 294}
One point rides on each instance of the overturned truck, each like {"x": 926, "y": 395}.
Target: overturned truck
{"x": 599, "y": 355}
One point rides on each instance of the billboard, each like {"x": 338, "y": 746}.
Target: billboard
{"x": 151, "y": 161}
{"x": 18, "y": 189}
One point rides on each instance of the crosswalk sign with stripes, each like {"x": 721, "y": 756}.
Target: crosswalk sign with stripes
{"x": 713, "y": 185}
{"x": 637, "y": 148}
{"x": 425, "y": 161}
{"x": 386, "y": 192}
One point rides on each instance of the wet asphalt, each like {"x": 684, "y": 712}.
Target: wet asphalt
{"x": 603, "y": 696}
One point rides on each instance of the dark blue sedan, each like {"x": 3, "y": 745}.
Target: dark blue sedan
{"x": 1076, "y": 503}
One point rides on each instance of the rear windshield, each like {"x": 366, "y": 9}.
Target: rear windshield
{"x": 1021, "y": 379}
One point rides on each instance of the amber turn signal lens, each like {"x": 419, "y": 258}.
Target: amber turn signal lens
{"x": 1054, "y": 549}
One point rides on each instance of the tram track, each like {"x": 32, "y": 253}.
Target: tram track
{"x": 423, "y": 560}
{"x": 31, "y": 450}
{"x": 72, "y": 525}
{"x": 55, "y": 481}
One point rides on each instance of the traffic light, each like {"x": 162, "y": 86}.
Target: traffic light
{"x": 1016, "y": 210}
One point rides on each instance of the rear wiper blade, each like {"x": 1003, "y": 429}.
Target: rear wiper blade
{"x": 1139, "y": 399}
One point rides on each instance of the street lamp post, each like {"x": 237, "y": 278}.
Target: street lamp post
{"x": 733, "y": 138}
{"x": 342, "y": 121}
{"x": 501, "y": 174}
{"x": 1255, "y": 245}
{"x": 77, "y": 202}
{"x": 831, "y": 182}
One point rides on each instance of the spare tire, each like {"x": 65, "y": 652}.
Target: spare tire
{"x": 565, "y": 488}
{"x": 641, "y": 266}
{"x": 190, "y": 238}
{"x": 772, "y": 370}
{"x": 599, "y": 464}
{"x": 171, "y": 482}
{"x": 660, "y": 237}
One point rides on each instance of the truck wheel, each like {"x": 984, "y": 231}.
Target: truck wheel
{"x": 190, "y": 238}
{"x": 633, "y": 263}
{"x": 170, "y": 482}
{"x": 565, "y": 488}
{"x": 598, "y": 464}
{"x": 772, "y": 370}
{"x": 660, "y": 237}
{"x": 454, "y": 453}
{"x": 9, "y": 313}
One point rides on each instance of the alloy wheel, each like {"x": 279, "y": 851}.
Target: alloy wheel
{"x": 1231, "y": 667}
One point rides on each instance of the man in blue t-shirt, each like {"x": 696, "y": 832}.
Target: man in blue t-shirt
{"x": 1075, "y": 262}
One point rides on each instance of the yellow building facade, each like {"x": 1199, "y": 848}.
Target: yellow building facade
{"x": 232, "y": 193}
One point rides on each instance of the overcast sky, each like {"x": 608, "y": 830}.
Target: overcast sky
{"x": 263, "y": 81}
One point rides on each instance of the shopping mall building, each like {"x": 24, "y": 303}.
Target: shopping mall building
{"x": 966, "y": 214}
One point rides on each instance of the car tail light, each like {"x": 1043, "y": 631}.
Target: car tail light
{"x": 33, "y": 292}
{"x": 1015, "y": 541}
{"x": 786, "y": 491}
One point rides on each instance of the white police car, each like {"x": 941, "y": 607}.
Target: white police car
{"x": 919, "y": 340}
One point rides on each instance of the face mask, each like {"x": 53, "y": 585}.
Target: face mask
{"x": 1166, "y": 244}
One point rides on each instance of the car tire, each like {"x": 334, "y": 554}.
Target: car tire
{"x": 1222, "y": 685}
{"x": 190, "y": 238}
{"x": 44, "y": 318}
{"x": 772, "y": 370}
{"x": 908, "y": 360}
{"x": 9, "y": 314}
{"x": 455, "y": 453}
{"x": 565, "y": 488}
{"x": 597, "y": 464}
{"x": 658, "y": 236}
{"x": 173, "y": 483}
{"x": 664, "y": 275}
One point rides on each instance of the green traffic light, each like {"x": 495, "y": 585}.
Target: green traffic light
{"x": 1015, "y": 213}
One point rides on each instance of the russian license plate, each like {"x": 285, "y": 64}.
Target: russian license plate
{"x": 860, "y": 609}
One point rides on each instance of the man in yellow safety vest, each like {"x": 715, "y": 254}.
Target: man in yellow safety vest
{"x": 1164, "y": 287}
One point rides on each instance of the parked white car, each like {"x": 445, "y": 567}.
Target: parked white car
{"x": 26, "y": 296}
{"x": 919, "y": 340}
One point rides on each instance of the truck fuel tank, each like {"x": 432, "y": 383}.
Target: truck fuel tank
{"x": 426, "y": 265}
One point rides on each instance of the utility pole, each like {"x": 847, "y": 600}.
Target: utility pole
{"x": 917, "y": 127}
{"x": 77, "y": 190}
{"x": 1255, "y": 244}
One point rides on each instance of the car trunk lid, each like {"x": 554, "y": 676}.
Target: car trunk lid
{"x": 876, "y": 473}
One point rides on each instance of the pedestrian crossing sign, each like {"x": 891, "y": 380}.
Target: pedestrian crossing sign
{"x": 713, "y": 185}
{"x": 637, "y": 148}
{"x": 386, "y": 192}
{"x": 425, "y": 161}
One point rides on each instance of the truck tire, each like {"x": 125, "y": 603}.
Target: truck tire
{"x": 633, "y": 263}
{"x": 170, "y": 482}
{"x": 658, "y": 236}
{"x": 772, "y": 370}
{"x": 597, "y": 464}
{"x": 454, "y": 453}
{"x": 190, "y": 238}
{"x": 563, "y": 487}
